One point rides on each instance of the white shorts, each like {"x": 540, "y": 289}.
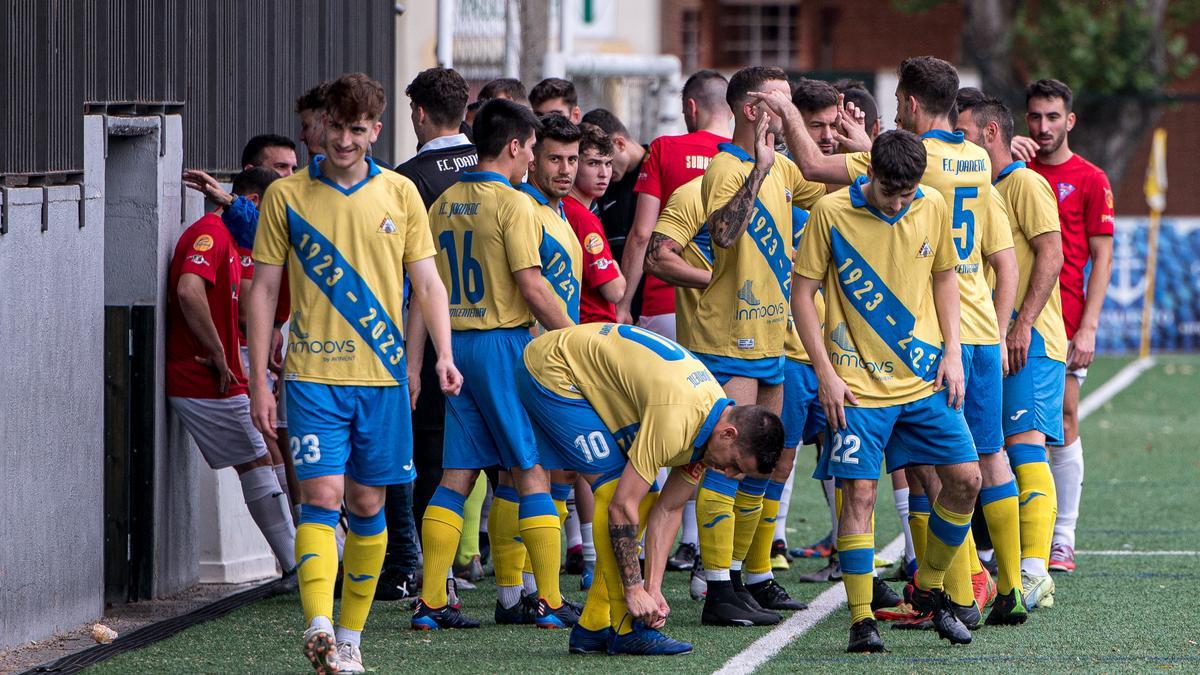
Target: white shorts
{"x": 273, "y": 380}
{"x": 663, "y": 324}
{"x": 221, "y": 428}
{"x": 1078, "y": 373}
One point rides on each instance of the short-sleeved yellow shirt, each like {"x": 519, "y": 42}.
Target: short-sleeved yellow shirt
{"x": 345, "y": 250}
{"x": 655, "y": 397}
{"x": 485, "y": 230}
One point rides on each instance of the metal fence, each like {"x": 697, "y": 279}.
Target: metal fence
{"x": 232, "y": 68}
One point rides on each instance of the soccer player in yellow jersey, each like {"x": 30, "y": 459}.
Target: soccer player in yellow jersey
{"x": 489, "y": 237}
{"x": 961, "y": 172}
{"x": 1037, "y": 356}
{"x": 617, "y": 403}
{"x": 551, "y": 175}
{"x": 889, "y": 366}
{"x": 348, "y": 233}
{"x": 742, "y": 318}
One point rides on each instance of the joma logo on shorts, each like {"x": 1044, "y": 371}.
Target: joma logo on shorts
{"x": 322, "y": 347}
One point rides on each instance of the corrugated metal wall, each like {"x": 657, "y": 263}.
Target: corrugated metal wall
{"x": 232, "y": 67}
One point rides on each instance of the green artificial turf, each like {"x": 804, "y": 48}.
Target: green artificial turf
{"x": 1116, "y": 614}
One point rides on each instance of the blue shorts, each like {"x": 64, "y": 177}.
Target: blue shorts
{"x": 362, "y": 432}
{"x": 570, "y": 435}
{"x": 803, "y": 417}
{"x": 926, "y": 431}
{"x": 767, "y": 370}
{"x": 486, "y": 424}
{"x": 1033, "y": 399}
{"x": 983, "y": 406}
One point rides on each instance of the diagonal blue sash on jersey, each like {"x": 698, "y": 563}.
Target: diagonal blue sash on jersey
{"x": 883, "y": 311}
{"x": 557, "y": 271}
{"x": 704, "y": 243}
{"x": 769, "y": 240}
{"x": 349, "y": 294}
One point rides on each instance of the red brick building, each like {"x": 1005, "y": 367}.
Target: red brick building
{"x": 867, "y": 38}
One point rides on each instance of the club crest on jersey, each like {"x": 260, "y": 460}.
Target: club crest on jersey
{"x": 198, "y": 259}
{"x": 602, "y": 263}
{"x": 1064, "y": 191}
{"x": 841, "y": 337}
{"x": 925, "y": 251}
{"x": 593, "y": 244}
{"x": 387, "y": 226}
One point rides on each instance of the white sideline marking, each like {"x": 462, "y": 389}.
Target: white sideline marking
{"x": 1137, "y": 552}
{"x": 767, "y": 646}
{"x": 1112, "y": 387}
{"x": 763, "y": 649}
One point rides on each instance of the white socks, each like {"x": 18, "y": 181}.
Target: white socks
{"x": 354, "y": 637}
{"x": 785, "y": 502}
{"x": 1066, "y": 464}
{"x": 831, "y": 498}
{"x": 589, "y": 545}
{"x": 901, "y": 498}
{"x": 268, "y": 507}
{"x": 572, "y": 525}
{"x": 691, "y": 532}
{"x": 758, "y": 577}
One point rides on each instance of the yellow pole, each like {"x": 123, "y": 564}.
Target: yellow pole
{"x": 1151, "y": 268}
{"x": 1155, "y": 188}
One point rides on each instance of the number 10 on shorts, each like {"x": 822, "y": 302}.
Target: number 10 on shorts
{"x": 844, "y": 448}
{"x": 594, "y": 446}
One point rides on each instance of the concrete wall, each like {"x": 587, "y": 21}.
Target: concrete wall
{"x": 51, "y": 407}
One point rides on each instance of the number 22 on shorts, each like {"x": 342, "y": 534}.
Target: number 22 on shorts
{"x": 845, "y": 446}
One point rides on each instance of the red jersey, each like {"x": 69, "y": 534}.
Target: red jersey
{"x": 599, "y": 268}
{"x": 207, "y": 250}
{"x": 672, "y": 161}
{"x": 283, "y": 306}
{"x": 1085, "y": 209}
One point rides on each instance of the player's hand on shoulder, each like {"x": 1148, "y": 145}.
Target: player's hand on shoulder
{"x": 448, "y": 377}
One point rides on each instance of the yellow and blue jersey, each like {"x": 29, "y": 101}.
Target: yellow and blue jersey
{"x": 1032, "y": 210}
{"x": 485, "y": 231}
{"x": 559, "y": 251}
{"x": 743, "y": 313}
{"x": 656, "y": 399}
{"x": 682, "y": 220}
{"x": 881, "y": 327}
{"x": 962, "y": 172}
{"x": 344, "y": 249}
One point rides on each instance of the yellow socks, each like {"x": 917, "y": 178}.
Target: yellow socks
{"x": 468, "y": 543}
{"x": 508, "y": 553}
{"x": 758, "y": 560}
{"x": 441, "y": 529}
{"x": 316, "y": 561}
{"x": 856, "y": 552}
{"x": 747, "y": 512}
{"x": 541, "y": 531}
{"x": 918, "y": 522}
{"x": 947, "y": 530}
{"x": 1038, "y": 502}
{"x": 362, "y": 558}
{"x": 606, "y": 565}
{"x": 1003, "y": 521}
{"x": 958, "y": 577}
{"x": 714, "y": 515}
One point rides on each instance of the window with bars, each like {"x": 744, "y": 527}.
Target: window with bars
{"x": 689, "y": 49}
{"x": 757, "y": 34}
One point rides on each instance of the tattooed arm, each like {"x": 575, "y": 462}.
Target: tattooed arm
{"x": 728, "y": 223}
{"x": 664, "y": 259}
{"x": 623, "y": 534}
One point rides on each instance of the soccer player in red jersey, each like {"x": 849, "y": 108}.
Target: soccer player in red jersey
{"x": 603, "y": 283}
{"x": 206, "y": 384}
{"x": 672, "y": 161}
{"x": 1085, "y": 213}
